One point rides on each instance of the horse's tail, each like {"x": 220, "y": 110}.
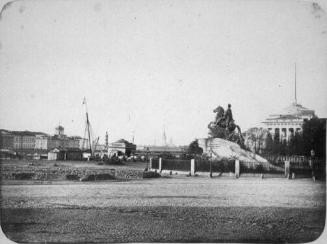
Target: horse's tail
{"x": 239, "y": 132}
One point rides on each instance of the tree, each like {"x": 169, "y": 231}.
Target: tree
{"x": 314, "y": 136}
{"x": 269, "y": 143}
{"x": 255, "y": 139}
{"x": 283, "y": 148}
{"x": 276, "y": 144}
{"x": 295, "y": 145}
{"x": 194, "y": 148}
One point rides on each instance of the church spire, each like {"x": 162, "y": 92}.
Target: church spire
{"x": 295, "y": 100}
{"x": 164, "y": 137}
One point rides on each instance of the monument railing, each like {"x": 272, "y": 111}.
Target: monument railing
{"x": 280, "y": 159}
{"x": 155, "y": 163}
{"x": 176, "y": 164}
{"x": 237, "y": 167}
{"x": 223, "y": 166}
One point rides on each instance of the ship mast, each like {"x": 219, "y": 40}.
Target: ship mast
{"x": 88, "y": 125}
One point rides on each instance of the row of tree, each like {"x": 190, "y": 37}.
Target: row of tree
{"x": 312, "y": 137}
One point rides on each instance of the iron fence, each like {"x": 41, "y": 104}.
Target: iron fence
{"x": 155, "y": 163}
{"x": 203, "y": 165}
{"x": 176, "y": 164}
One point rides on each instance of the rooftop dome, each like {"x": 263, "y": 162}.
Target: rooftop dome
{"x": 297, "y": 109}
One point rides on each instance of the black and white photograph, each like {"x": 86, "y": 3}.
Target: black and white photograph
{"x": 146, "y": 121}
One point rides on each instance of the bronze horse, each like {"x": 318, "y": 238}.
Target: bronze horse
{"x": 221, "y": 123}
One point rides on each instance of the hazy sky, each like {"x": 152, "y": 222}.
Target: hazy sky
{"x": 143, "y": 65}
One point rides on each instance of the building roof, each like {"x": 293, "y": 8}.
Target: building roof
{"x": 297, "y": 109}
{"x": 77, "y": 137}
{"x": 294, "y": 111}
{"x": 27, "y": 133}
{"x": 4, "y": 132}
{"x": 122, "y": 141}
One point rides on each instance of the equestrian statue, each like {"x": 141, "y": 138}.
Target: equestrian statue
{"x": 224, "y": 127}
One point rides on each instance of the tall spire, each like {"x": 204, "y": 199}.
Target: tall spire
{"x": 164, "y": 137}
{"x": 106, "y": 140}
{"x": 295, "y": 100}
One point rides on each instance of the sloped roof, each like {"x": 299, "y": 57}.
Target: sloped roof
{"x": 295, "y": 110}
{"x": 122, "y": 141}
{"x": 27, "y": 133}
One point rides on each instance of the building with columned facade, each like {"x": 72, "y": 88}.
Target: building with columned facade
{"x": 289, "y": 121}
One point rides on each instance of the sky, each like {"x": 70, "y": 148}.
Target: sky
{"x": 147, "y": 66}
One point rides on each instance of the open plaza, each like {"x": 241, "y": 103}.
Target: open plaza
{"x": 163, "y": 121}
{"x": 173, "y": 208}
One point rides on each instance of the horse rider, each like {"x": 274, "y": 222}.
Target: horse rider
{"x": 228, "y": 115}
{"x": 219, "y": 117}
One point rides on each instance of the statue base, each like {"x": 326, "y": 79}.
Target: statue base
{"x": 221, "y": 149}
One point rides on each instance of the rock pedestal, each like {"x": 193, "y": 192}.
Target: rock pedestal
{"x": 221, "y": 149}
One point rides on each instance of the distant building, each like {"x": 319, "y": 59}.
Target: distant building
{"x": 41, "y": 142}
{"x": 54, "y": 142}
{"x": 71, "y": 143}
{"x": 28, "y": 141}
{"x": 20, "y": 140}
{"x": 288, "y": 122}
{"x": 25, "y": 140}
{"x": 56, "y": 154}
{"x": 60, "y": 140}
{"x": 121, "y": 147}
{"x": 82, "y": 142}
{"x": 156, "y": 150}
{"x": 74, "y": 154}
{"x": 100, "y": 147}
{"x": 6, "y": 140}
{"x": 64, "y": 154}
{"x": 59, "y": 131}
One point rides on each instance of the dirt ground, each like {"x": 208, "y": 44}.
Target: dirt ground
{"x": 9, "y": 165}
{"x": 44, "y": 170}
{"x": 163, "y": 224}
{"x": 167, "y": 209}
